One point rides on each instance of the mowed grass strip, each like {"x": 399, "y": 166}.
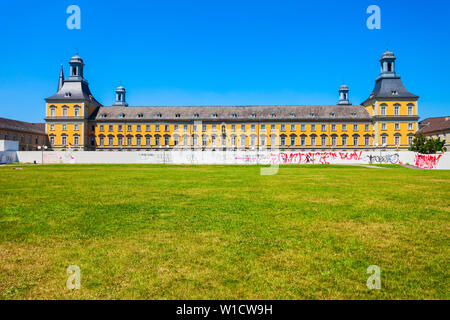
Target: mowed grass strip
{"x": 223, "y": 232}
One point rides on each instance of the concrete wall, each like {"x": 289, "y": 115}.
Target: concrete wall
{"x": 440, "y": 161}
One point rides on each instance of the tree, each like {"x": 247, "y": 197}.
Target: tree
{"x": 425, "y": 145}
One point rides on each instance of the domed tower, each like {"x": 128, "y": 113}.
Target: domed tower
{"x": 120, "y": 97}
{"x": 394, "y": 110}
{"x": 69, "y": 111}
{"x": 343, "y": 95}
{"x": 76, "y": 68}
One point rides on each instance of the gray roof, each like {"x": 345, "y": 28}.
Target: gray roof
{"x": 9, "y": 124}
{"x": 390, "y": 88}
{"x": 73, "y": 90}
{"x": 218, "y": 113}
{"x": 435, "y": 124}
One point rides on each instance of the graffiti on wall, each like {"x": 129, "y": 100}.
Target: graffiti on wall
{"x": 313, "y": 157}
{"x": 386, "y": 159}
{"x": 426, "y": 161}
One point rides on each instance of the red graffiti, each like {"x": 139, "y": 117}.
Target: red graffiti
{"x": 312, "y": 157}
{"x": 427, "y": 161}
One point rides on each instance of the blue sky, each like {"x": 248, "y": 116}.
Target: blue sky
{"x": 222, "y": 52}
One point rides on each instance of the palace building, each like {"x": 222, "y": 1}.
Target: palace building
{"x": 386, "y": 119}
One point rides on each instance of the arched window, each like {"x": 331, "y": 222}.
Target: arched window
{"x": 76, "y": 111}
{"x": 293, "y": 140}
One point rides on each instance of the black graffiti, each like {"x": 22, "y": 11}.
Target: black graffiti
{"x": 388, "y": 158}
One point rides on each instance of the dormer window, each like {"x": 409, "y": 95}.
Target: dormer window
{"x": 196, "y": 115}
{"x": 68, "y": 94}
{"x": 332, "y": 114}
{"x": 122, "y": 115}
{"x": 354, "y": 115}
{"x": 313, "y": 114}
{"x": 274, "y": 115}
{"x": 292, "y": 115}
{"x": 394, "y": 93}
{"x": 253, "y": 115}
{"x": 214, "y": 115}
{"x": 140, "y": 115}
{"x": 177, "y": 115}
{"x": 158, "y": 115}
{"x": 103, "y": 115}
{"x": 234, "y": 115}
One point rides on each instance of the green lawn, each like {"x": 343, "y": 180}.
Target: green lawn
{"x": 223, "y": 232}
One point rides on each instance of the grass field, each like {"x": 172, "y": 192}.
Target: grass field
{"x": 223, "y": 232}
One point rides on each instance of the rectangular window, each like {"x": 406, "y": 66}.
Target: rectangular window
{"x": 204, "y": 127}
{"x": 147, "y": 127}
{"x": 242, "y": 127}
{"x": 253, "y": 127}
{"x": 214, "y": 128}
{"x": 119, "y": 127}
{"x": 110, "y": 128}
{"x": 110, "y": 141}
{"x": 263, "y": 127}
{"x": 323, "y": 127}
{"x": 366, "y": 141}
{"x": 102, "y": 128}
{"x": 344, "y": 127}
{"x": 64, "y": 127}
{"x": 302, "y": 141}
{"x": 272, "y": 127}
{"x": 185, "y": 127}
{"x": 367, "y": 127}
{"x": 410, "y": 126}
{"x": 383, "y": 126}
{"x": 344, "y": 140}
{"x": 333, "y": 127}
{"x": 302, "y": 127}
{"x": 166, "y": 127}
{"x": 129, "y": 127}
{"x": 157, "y": 127}
{"x": 138, "y": 127}
{"x": 233, "y": 127}
{"x": 355, "y": 127}
{"x": 52, "y": 127}
{"x": 356, "y": 141}
{"x": 292, "y": 127}
{"x": 283, "y": 127}
{"x": 313, "y": 127}
{"x": 397, "y": 126}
